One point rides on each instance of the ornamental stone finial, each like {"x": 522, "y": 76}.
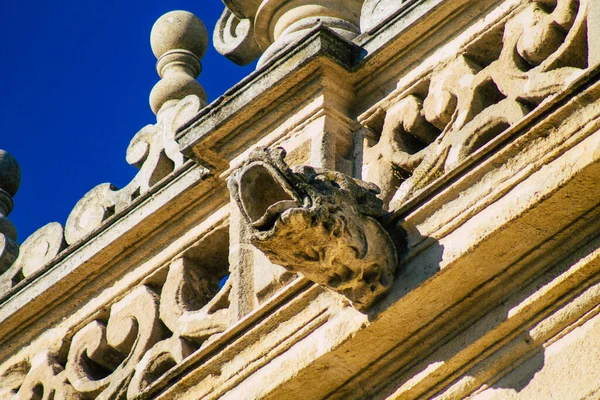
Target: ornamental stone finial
{"x": 10, "y": 179}
{"x": 179, "y": 40}
{"x": 247, "y": 29}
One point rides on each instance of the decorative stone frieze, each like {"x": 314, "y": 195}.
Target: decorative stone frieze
{"x": 466, "y": 103}
{"x": 40, "y": 377}
{"x": 37, "y": 250}
{"x": 179, "y": 40}
{"x": 247, "y": 29}
{"x": 330, "y": 218}
{"x": 139, "y": 339}
{"x": 154, "y": 151}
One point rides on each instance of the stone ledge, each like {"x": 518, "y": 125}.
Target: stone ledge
{"x": 264, "y": 89}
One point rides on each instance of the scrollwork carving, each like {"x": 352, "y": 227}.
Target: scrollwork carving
{"x": 103, "y": 358}
{"x": 154, "y": 151}
{"x": 40, "y": 248}
{"x": 234, "y": 38}
{"x": 192, "y": 305}
{"x": 158, "y": 360}
{"x": 45, "y": 379}
{"x": 12, "y": 378}
{"x": 472, "y": 99}
{"x": 248, "y": 29}
{"x": 144, "y": 335}
{"x": 194, "y": 308}
{"x": 179, "y": 40}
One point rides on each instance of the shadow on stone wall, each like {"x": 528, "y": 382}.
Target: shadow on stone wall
{"x": 519, "y": 377}
{"x": 512, "y": 365}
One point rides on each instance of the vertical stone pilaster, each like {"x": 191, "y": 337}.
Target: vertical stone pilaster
{"x": 593, "y": 32}
{"x": 241, "y": 261}
{"x": 331, "y": 144}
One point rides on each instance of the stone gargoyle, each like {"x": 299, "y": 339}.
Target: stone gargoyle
{"x": 317, "y": 222}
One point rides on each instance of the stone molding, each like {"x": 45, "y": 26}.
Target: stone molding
{"x": 284, "y": 83}
{"x": 143, "y": 335}
{"x": 153, "y": 150}
{"x": 157, "y": 169}
{"x": 375, "y": 12}
{"x": 179, "y": 40}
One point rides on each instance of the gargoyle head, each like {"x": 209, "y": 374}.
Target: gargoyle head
{"x": 317, "y": 222}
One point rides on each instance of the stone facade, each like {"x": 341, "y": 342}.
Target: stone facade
{"x": 401, "y": 202}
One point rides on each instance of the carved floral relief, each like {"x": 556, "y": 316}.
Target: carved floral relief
{"x": 332, "y": 219}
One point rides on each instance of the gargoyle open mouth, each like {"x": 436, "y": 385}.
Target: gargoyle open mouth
{"x": 265, "y": 194}
{"x": 317, "y": 222}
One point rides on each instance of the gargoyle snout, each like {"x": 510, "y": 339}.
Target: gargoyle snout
{"x": 264, "y": 194}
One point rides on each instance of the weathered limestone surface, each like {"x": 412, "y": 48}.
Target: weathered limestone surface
{"x": 401, "y": 202}
{"x": 329, "y": 217}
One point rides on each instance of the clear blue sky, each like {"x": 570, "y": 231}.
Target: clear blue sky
{"x": 75, "y": 77}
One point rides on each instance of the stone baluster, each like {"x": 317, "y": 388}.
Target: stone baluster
{"x": 179, "y": 40}
{"x": 278, "y": 23}
{"x": 10, "y": 178}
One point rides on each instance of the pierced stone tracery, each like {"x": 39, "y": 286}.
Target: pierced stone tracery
{"x": 154, "y": 327}
{"x": 473, "y": 99}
